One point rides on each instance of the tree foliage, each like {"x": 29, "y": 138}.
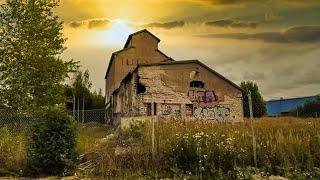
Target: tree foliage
{"x": 80, "y": 93}
{"x": 308, "y": 109}
{"x": 258, "y": 104}
{"x": 31, "y": 41}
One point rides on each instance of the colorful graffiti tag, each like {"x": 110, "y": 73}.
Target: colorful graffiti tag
{"x": 202, "y": 96}
{"x": 217, "y": 112}
{"x": 173, "y": 109}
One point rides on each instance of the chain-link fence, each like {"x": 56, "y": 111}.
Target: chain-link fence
{"x": 17, "y": 121}
{"x": 14, "y": 120}
{"x": 85, "y": 116}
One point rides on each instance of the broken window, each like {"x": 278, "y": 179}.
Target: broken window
{"x": 189, "y": 109}
{"x": 141, "y": 88}
{"x": 196, "y": 84}
{"x": 150, "y": 111}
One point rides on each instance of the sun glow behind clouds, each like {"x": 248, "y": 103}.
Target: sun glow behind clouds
{"x": 116, "y": 34}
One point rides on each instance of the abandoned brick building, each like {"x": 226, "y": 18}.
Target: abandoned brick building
{"x": 143, "y": 81}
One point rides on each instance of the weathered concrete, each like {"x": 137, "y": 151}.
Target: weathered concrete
{"x": 184, "y": 89}
{"x": 142, "y": 48}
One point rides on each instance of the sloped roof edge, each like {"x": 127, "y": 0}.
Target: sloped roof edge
{"x": 193, "y": 61}
{"x": 111, "y": 60}
{"x": 138, "y": 32}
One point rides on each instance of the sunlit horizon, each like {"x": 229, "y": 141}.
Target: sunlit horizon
{"x": 229, "y": 37}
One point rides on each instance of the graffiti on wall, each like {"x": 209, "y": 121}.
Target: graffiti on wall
{"x": 202, "y": 96}
{"x": 170, "y": 109}
{"x": 217, "y": 112}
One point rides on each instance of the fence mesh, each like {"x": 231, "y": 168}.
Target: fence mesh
{"x": 85, "y": 116}
{"x": 14, "y": 120}
{"x": 17, "y": 121}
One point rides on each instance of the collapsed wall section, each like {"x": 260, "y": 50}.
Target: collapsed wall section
{"x": 146, "y": 92}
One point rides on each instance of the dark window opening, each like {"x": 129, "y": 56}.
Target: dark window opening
{"x": 189, "y": 109}
{"x": 141, "y": 88}
{"x": 196, "y": 84}
{"x": 149, "y": 109}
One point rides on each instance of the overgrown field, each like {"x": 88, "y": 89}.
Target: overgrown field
{"x": 286, "y": 147}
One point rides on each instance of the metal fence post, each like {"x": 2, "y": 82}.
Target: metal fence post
{"x": 254, "y": 144}
{"x": 153, "y": 138}
{"x": 83, "y": 108}
{"x": 78, "y": 118}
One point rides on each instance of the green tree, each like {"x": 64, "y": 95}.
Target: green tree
{"x": 308, "y": 109}
{"x": 79, "y": 93}
{"x": 258, "y": 104}
{"x": 32, "y": 72}
{"x": 81, "y": 88}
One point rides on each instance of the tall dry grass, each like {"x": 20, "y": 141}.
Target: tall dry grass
{"x": 284, "y": 145}
{"x": 12, "y": 151}
{"x": 194, "y": 149}
{"x": 200, "y": 149}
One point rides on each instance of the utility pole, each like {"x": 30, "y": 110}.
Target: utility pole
{"x": 153, "y": 130}
{"x": 254, "y": 143}
{"x": 74, "y": 106}
{"x": 83, "y": 108}
{"x": 78, "y": 118}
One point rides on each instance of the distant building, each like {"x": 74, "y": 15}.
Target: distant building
{"x": 143, "y": 81}
{"x": 284, "y": 106}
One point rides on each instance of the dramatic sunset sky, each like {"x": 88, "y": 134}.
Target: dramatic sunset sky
{"x": 275, "y": 43}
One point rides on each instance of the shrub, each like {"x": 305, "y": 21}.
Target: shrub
{"x": 52, "y": 143}
{"x": 308, "y": 109}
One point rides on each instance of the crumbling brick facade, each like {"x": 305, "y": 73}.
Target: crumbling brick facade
{"x": 164, "y": 87}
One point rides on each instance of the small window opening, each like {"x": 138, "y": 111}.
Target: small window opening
{"x": 196, "y": 84}
{"x": 141, "y": 88}
{"x": 155, "y": 109}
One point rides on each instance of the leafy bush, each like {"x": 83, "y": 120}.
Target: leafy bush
{"x": 52, "y": 143}
{"x": 308, "y": 109}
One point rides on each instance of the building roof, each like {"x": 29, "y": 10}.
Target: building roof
{"x": 126, "y": 47}
{"x": 292, "y": 99}
{"x": 142, "y": 31}
{"x": 280, "y": 106}
{"x": 189, "y": 62}
{"x": 169, "y": 61}
{"x": 112, "y": 59}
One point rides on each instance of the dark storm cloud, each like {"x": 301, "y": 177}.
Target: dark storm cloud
{"x": 271, "y": 16}
{"x": 226, "y": 2}
{"x": 235, "y": 2}
{"x": 90, "y": 24}
{"x": 75, "y": 24}
{"x": 231, "y": 23}
{"x": 98, "y": 24}
{"x": 166, "y": 25}
{"x": 308, "y": 34}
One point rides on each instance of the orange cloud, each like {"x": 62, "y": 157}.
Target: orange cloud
{"x": 166, "y": 25}
{"x": 90, "y": 24}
